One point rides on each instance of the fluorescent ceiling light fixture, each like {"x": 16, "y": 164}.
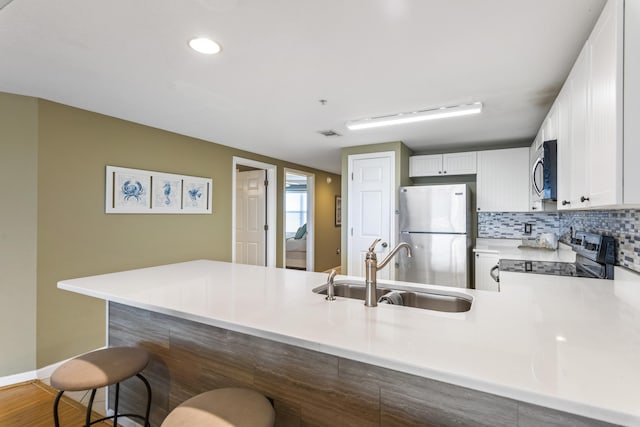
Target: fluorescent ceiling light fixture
{"x": 204, "y": 45}
{"x": 416, "y": 116}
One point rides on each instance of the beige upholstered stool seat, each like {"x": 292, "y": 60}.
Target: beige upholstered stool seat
{"x": 99, "y": 368}
{"x": 237, "y": 407}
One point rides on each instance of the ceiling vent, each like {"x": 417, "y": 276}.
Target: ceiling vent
{"x": 329, "y": 132}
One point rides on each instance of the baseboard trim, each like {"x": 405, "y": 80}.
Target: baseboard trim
{"x": 22, "y": 377}
{"x": 38, "y": 374}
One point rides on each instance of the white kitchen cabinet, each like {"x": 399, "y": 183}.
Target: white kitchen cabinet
{"x": 443, "y": 164}
{"x": 591, "y": 169}
{"x": 484, "y": 264}
{"x": 573, "y": 146}
{"x": 503, "y": 180}
{"x": 428, "y": 165}
{"x": 549, "y": 129}
{"x": 604, "y": 123}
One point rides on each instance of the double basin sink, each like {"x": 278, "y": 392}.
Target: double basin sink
{"x": 438, "y": 300}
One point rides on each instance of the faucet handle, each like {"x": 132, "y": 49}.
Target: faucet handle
{"x": 373, "y": 245}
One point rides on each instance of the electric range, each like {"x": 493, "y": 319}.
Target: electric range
{"x": 595, "y": 258}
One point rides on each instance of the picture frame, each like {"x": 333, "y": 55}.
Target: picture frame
{"x": 136, "y": 191}
{"x": 127, "y": 190}
{"x": 196, "y": 195}
{"x": 167, "y": 193}
{"x": 338, "y": 211}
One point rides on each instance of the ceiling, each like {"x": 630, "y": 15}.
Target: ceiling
{"x": 130, "y": 59}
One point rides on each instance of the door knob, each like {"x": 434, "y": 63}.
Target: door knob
{"x": 565, "y": 202}
{"x": 584, "y": 199}
{"x": 384, "y": 244}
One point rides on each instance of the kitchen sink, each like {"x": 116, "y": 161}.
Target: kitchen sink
{"x": 438, "y": 300}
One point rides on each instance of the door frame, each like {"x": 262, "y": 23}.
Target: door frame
{"x": 393, "y": 232}
{"x": 311, "y": 178}
{"x": 271, "y": 194}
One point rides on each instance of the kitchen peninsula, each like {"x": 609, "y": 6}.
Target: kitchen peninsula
{"x": 543, "y": 342}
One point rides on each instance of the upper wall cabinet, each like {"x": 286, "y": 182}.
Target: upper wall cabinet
{"x": 503, "y": 180}
{"x": 443, "y": 164}
{"x": 589, "y": 110}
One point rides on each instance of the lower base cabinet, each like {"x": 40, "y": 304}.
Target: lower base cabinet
{"x": 486, "y": 271}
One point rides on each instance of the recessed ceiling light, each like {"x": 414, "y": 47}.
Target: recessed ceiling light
{"x": 204, "y": 45}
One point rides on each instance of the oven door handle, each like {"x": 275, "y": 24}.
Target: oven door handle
{"x": 497, "y": 275}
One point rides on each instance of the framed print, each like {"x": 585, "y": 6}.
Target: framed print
{"x": 338, "y": 211}
{"x": 135, "y": 191}
{"x": 196, "y": 195}
{"x": 167, "y": 193}
{"x": 128, "y": 191}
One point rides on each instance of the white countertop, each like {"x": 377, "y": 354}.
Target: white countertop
{"x": 561, "y": 342}
{"x": 509, "y": 249}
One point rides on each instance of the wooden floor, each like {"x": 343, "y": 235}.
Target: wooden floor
{"x": 31, "y": 404}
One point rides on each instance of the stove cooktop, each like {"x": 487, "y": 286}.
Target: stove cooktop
{"x": 545, "y": 267}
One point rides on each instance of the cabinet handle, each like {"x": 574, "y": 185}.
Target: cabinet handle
{"x": 497, "y": 275}
{"x": 439, "y": 172}
{"x": 478, "y": 208}
{"x": 533, "y": 208}
{"x": 565, "y": 202}
{"x": 584, "y": 199}
{"x": 445, "y": 171}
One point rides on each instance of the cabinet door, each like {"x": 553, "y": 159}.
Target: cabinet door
{"x": 564, "y": 147}
{"x": 483, "y": 264}
{"x": 605, "y": 108}
{"x": 459, "y": 163}
{"x": 425, "y": 165}
{"x": 578, "y": 143}
{"x": 503, "y": 180}
{"x": 550, "y": 125}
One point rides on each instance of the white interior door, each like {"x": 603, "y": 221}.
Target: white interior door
{"x": 371, "y": 205}
{"x": 250, "y": 217}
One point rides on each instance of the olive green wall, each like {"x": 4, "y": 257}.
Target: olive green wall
{"x": 18, "y": 233}
{"x": 67, "y": 149}
{"x": 402, "y": 154}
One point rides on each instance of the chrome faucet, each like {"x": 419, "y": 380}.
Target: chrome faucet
{"x": 330, "y": 289}
{"x": 372, "y": 267}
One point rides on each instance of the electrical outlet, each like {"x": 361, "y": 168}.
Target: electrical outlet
{"x": 527, "y": 228}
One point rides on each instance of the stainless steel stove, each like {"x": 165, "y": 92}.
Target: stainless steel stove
{"x": 595, "y": 258}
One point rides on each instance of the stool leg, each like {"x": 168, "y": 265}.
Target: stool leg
{"x": 55, "y": 409}
{"x": 88, "y": 419}
{"x": 115, "y": 415}
{"x": 146, "y": 383}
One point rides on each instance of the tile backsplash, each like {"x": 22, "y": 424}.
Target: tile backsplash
{"x": 510, "y": 225}
{"x": 623, "y": 225}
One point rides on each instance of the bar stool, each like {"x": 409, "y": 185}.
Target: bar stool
{"x": 223, "y": 407}
{"x": 98, "y": 369}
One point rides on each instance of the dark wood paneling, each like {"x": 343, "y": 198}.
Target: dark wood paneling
{"x": 411, "y": 400}
{"x": 308, "y": 388}
{"x": 535, "y": 416}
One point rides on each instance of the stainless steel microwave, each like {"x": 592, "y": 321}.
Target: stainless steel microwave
{"x": 544, "y": 172}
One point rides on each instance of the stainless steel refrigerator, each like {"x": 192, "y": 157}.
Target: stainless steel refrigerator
{"x": 436, "y": 221}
